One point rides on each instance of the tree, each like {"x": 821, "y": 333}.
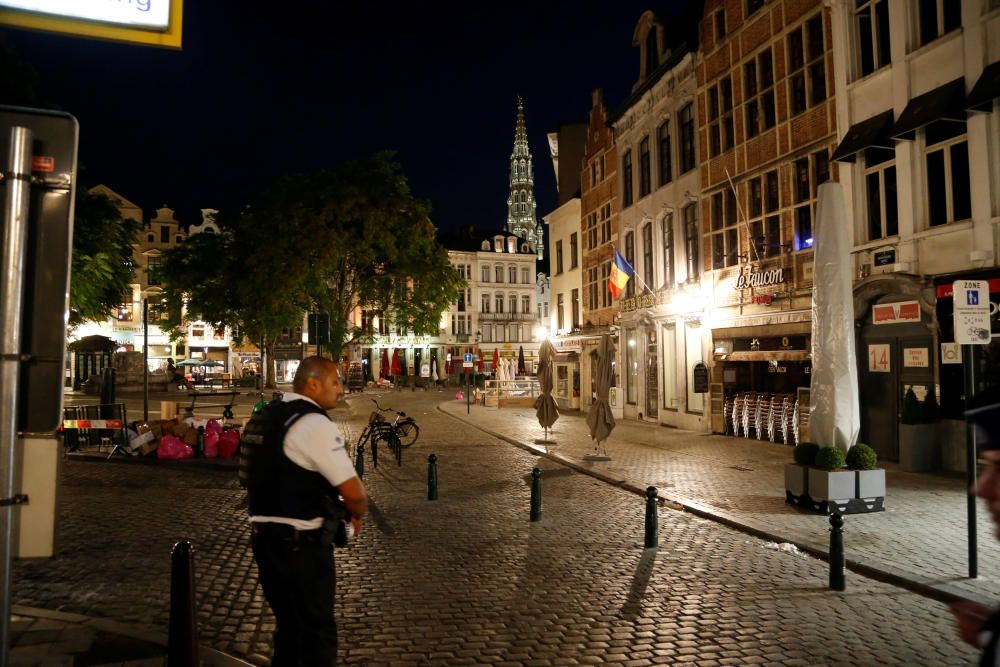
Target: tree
{"x": 103, "y": 265}
{"x": 234, "y": 280}
{"x": 365, "y": 242}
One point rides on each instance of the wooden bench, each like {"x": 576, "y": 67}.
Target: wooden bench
{"x": 196, "y": 402}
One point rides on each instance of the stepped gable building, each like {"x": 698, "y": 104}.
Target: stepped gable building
{"x": 662, "y": 313}
{"x": 767, "y": 127}
{"x": 522, "y": 219}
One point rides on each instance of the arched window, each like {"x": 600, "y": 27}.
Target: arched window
{"x": 485, "y": 303}
{"x": 486, "y": 245}
{"x": 512, "y": 273}
{"x": 512, "y": 300}
{"x": 484, "y": 272}
{"x": 499, "y": 274}
{"x": 499, "y": 303}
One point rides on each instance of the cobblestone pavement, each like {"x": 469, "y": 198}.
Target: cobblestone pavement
{"x": 922, "y": 535}
{"x": 468, "y": 580}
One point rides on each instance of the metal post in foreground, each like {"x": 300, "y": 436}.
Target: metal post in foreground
{"x": 432, "y": 477}
{"x": 652, "y": 521}
{"x": 536, "y": 494}
{"x": 145, "y": 359}
{"x": 182, "y": 641}
{"x": 359, "y": 461}
{"x": 399, "y": 449}
{"x": 837, "y": 560}
{"x": 969, "y": 377}
{"x": 13, "y": 268}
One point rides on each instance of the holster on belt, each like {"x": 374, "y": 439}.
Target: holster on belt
{"x": 335, "y": 522}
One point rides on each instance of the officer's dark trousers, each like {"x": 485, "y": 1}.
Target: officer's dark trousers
{"x": 299, "y": 581}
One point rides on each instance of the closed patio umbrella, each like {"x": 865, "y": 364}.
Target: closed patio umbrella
{"x": 545, "y": 405}
{"x": 496, "y": 359}
{"x": 599, "y": 417}
{"x": 397, "y": 368}
{"x": 521, "y": 368}
{"x": 384, "y": 366}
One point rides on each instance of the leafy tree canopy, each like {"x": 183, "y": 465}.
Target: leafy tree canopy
{"x": 102, "y": 266}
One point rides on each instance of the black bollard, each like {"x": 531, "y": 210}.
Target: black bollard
{"x": 837, "y": 560}
{"x": 359, "y": 461}
{"x": 399, "y": 449}
{"x": 374, "y": 442}
{"x": 536, "y": 494}
{"x": 199, "y": 448}
{"x": 432, "y": 477}
{"x": 182, "y": 641}
{"x": 652, "y": 521}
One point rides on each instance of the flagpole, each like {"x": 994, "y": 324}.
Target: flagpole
{"x": 739, "y": 214}
{"x": 635, "y": 273}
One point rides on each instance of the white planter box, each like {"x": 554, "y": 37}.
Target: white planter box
{"x": 831, "y": 484}
{"x": 871, "y": 483}
{"x": 796, "y": 479}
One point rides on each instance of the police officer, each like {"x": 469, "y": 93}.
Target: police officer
{"x": 978, "y": 624}
{"x": 296, "y": 469}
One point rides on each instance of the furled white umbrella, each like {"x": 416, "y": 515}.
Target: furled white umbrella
{"x": 834, "y": 418}
{"x": 545, "y": 406}
{"x": 599, "y": 417}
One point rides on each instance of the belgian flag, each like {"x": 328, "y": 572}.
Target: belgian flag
{"x": 621, "y": 272}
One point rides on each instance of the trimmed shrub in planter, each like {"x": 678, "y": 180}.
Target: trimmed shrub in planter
{"x": 861, "y": 457}
{"x": 870, "y": 480}
{"x": 797, "y": 474}
{"x": 828, "y": 481}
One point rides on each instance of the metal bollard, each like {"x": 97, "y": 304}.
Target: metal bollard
{"x": 837, "y": 560}
{"x": 536, "y": 494}
{"x": 182, "y": 641}
{"x": 359, "y": 461}
{"x": 399, "y": 450}
{"x": 432, "y": 477}
{"x": 652, "y": 521}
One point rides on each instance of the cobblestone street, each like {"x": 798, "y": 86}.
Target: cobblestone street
{"x": 468, "y": 580}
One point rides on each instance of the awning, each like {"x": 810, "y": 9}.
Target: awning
{"x": 770, "y": 355}
{"x": 567, "y": 356}
{"x": 987, "y": 89}
{"x": 873, "y": 132}
{"x": 944, "y": 103}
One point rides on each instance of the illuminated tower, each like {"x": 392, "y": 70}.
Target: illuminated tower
{"x": 521, "y": 219}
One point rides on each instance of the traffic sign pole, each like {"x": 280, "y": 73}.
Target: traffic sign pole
{"x": 969, "y": 377}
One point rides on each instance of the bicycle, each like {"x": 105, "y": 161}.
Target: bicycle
{"x": 405, "y": 427}
{"x": 401, "y": 433}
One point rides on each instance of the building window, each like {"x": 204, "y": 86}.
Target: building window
{"x": 720, "y": 116}
{"x": 631, "y": 368}
{"x": 197, "y": 330}
{"x": 485, "y": 273}
{"x": 806, "y": 65}
{"x": 810, "y": 172}
{"x": 593, "y": 173}
{"x": 725, "y": 233}
{"x": 484, "y": 306}
{"x": 605, "y": 292}
{"x": 512, "y": 274}
{"x": 753, "y": 6}
{"x": 758, "y": 82}
{"x": 499, "y": 303}
{"x": 669, "y": 338}
{"x": 574, "y": 297}
{"x": 525, "y": 278}
{"x": 461, "y": 301}
{"x": 574, "y": 251}
{"x": 764, "y": 220}
{"x": 591, "y": 288}
{"x": 644, "y": 175}
{"x": 590, "y": 231}
{"x": 687, "y": 139}
{"x": 525, "y": 303}
{"x": 937, "y": 18}
{"x": 601, "y": 164}
{"x": 560, "y": 312}
{"x": 512, "y": 300}
{"x": 871, "y": 21}
{"x": 880, "y": 193}
{"x": 627, "y": 178}
{"x": 153, "y": 270}
{"x": 164, "y": 234}
{"x": 947, "y": 163}
{"x": 150, "y": 238}
{"x": 720, "y": 24}
{"x": 487, "y": 333}
{"x": 606, "y": 223}
{"x": 652, "y": 52}
{"x": 692, "y": 238}
{"x": 668, "y": 250}
{"x": 647, "y": 254}
{"x": 559, "y": 257}
{"x": 663, "y": 138}
{"x": 499, "y": 274}
{"x": 126, "y": 314}
{"x": 630, "y": 258}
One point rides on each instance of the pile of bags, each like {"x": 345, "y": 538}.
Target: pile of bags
{"x": 183, "y": 438}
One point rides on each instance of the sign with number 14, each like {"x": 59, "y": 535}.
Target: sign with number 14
{"x": 878, "y": 358}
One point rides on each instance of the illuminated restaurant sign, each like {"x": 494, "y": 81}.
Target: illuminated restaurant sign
{"x": 751, "y": 278}
{"x": 152, "y": 22}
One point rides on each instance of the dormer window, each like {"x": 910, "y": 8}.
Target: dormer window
{"x": 652, "y": 52}
{"x": 486, "y": 246}
{"x": 498, "y": 243}
{"x": 525, "y": 248}
{"x": 512, "y": 245}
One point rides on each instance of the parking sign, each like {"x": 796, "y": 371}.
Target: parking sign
{"x": 971, "y": 299}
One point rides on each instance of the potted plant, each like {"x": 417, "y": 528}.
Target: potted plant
{"x": 870, "y": 482}
{"x": 829, "y": 480}
{"x": 797, "y": 474}
{"x": 918, "y": 432}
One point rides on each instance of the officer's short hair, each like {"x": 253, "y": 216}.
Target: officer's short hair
{"x": 315, "y": 366}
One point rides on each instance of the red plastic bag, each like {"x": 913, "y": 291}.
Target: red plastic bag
{"x": 211, "y": 444}
{"x": 229, "y": 442}
{"x": 213, "y": 425}
{"x": 172, "y": 447}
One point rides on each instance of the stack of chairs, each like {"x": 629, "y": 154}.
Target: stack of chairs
{"x": 749, "y": 412}
{"x": 762, "y": 416}
{"x": 727, "y": 413}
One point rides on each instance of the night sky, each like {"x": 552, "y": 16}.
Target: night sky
{"x": 255, "y": 95}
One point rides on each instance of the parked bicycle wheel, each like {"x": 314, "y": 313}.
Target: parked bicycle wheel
{"x": 408, "y": 432}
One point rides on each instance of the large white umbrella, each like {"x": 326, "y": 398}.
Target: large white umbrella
{"x": 599, "y": 417}
{"x": 545, "y": 406}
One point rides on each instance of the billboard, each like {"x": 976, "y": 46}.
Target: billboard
{"x": 150, "y": 22}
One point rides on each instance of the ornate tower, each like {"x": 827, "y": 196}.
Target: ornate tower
{"x": 521, "y": 219}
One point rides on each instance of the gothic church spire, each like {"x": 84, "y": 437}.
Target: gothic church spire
{"x": 521, "y": 215}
